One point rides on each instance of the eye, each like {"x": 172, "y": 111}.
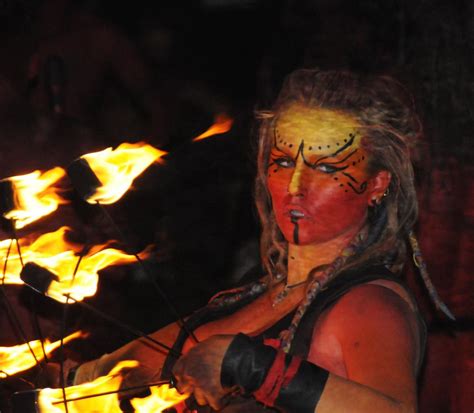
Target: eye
{"x": 284, "y": 162}
{"x": 327, "y": 169}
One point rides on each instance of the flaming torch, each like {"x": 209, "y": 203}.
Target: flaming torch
{"x": 50, "y": 263}
{"x": 104, "y": 177}
{"x": 100, "y": 395}
{"x": 19, "y": 358}
{"x": 27, "y": 198}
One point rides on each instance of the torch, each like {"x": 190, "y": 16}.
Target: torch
{"x": 102, "y": 178}
{"x": 98, "y": 395}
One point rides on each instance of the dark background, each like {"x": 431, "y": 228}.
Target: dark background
{"x": 160, "y": 72}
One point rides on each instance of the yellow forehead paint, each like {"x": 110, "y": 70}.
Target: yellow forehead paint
{"x": 323, "y": 131}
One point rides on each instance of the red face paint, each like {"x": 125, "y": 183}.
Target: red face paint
{"x": 317, "y": 175}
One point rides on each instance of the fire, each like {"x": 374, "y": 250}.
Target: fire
{"x": 51, "y": 400}
{"x": 53, "y": 252}
{"x": 19, "y": 358}
{"x": 116, "y": 169}
{"x": 35, "y": 196}
{"x": 162, "y": 397}
{"x": 222, "y": 124}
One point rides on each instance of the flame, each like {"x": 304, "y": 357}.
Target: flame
{"x": 19, "y": 358}
{"x": 162, "y": 397}
{"x": 222, "y": 124}
{"x": 53, "y": 252}
{"x": 116, "y": 169}
{"x": 35, "y": 196}
{"x": 51, "y": 400}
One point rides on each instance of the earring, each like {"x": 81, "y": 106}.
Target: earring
{"x": 387, "y": 191}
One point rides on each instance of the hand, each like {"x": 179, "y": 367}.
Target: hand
{"x": 199, "y": 372}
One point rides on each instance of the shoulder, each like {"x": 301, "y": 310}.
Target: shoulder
{"x": 373, "y": 322}
{"x": 370, "y": 307}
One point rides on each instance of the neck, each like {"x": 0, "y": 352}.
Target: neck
{"x": 303, "y": 258}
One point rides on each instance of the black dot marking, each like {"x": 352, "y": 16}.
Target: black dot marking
{"x": 335, "y": 178}
{"x": 337, "y": 143}
{"x": 329, "y": 146}
{"x": 341, "y": 184}
{"x": 275, "y": 170}
{"x": 310, "y": 148}
{"x": 346, "y": 190}
{"x": 363, "y": 157}
{"x": 284, "y": 143}
{"x": 292, "y": 258}
{"x": 319, "y": 147}
{"x": 353, "y": 163}
{"x": 281, "y": 140}
{"x": 345, "y": 140}
{"x": 291, "y": 145}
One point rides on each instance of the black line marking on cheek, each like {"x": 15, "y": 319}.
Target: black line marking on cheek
{"x": 350, "y": 177}
{"x": 361, "y": 190}
{"x": 296, "y": 235}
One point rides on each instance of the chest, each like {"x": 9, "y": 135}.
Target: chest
{"x": 259, "y": 316}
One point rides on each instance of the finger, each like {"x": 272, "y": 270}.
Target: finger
{"x": 200, "y": 397}
{"x": 182, "y": 384}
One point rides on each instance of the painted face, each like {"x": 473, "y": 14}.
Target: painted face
{"x": 317, "y": 175}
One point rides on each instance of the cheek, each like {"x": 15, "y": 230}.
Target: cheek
{"x": 278, "y": 181}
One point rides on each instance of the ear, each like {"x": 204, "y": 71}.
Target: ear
{"x": 378, "y": 186}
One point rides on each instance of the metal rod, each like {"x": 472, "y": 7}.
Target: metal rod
{"x": 90, "y": 396}
{"x": 63, "y": 330}
{"x": 118, "y": 323}
{"x": 150, "y": 276}
{"x": 36, "y": 324}
{"x": 11, "y": 312}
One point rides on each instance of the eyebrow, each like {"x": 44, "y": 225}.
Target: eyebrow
{"x": 348, "y": 144}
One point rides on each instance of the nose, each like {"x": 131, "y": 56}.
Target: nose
{"x": 296, "y": 186}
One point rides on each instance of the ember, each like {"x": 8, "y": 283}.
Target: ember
{"x": 19, "y": 358}
{"x": 221, "y": 125}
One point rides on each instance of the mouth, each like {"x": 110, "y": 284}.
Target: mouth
{"x": 296, "y": 214}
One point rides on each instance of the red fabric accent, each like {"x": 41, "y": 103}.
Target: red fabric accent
{"x": 272, "y": 342}
{"x": 277, "y": 376}
{"x": 291, "y": 371}
{"x": 268, "y": 391}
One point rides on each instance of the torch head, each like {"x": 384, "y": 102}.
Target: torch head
{"x": 7, "y": 196}
{"x": 25, "y": 402}
{"x": 83, "y": 178}
{"x": 37, "y": 277}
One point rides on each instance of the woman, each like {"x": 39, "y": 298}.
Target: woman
{"x": 336, "y": 198}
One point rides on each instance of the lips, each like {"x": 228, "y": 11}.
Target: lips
{"x": 296, "y": 212}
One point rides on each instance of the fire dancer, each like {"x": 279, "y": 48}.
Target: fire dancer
{"x": 330, "y": 327}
